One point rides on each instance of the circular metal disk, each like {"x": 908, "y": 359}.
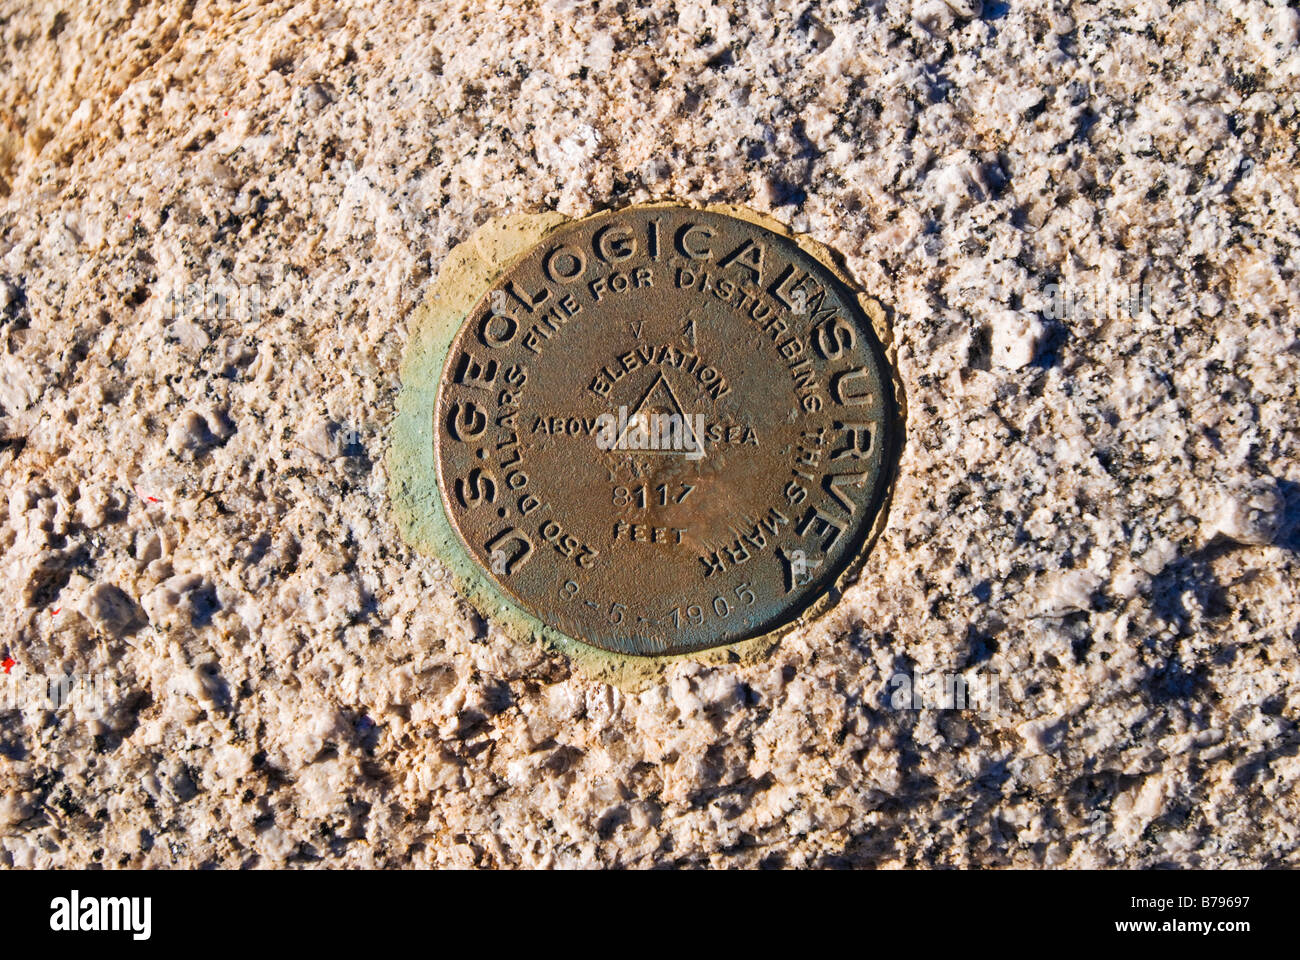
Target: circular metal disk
{"x": 664, "y": 429}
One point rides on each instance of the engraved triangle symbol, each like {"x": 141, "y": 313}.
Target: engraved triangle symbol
{"x": 659, "y": 425}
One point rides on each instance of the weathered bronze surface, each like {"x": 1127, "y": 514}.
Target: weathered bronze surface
{"x": 664, "y": 430}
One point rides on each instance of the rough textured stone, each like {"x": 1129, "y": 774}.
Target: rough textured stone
{"x": 1098, "y": 508}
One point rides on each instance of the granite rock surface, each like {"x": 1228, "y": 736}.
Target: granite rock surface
{"x": 215, "y": 219}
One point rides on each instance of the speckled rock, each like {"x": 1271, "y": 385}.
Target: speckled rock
{"x": 217, "y": 219}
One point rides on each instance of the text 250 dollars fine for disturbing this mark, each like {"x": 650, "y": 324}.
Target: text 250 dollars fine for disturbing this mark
{"x": 664, "y": 430}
